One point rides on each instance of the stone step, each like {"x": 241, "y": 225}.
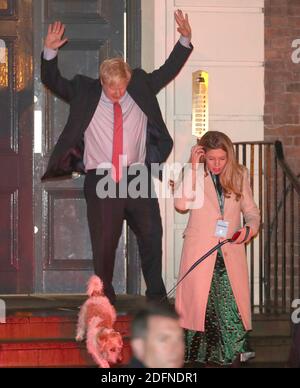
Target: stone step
{"x": 271, "y": 349}
{"x": 50, "y": 327}
{"x": 270, "y": 326}
{"x": 37, "y": 341}
{"x": 40, "y": 331}
{"x": 46, "y": 353}
{"x": 264, "y": 365}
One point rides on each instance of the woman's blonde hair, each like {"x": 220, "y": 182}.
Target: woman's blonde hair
{"x": 231, "y": 177}
{"x": 114, "y": 70}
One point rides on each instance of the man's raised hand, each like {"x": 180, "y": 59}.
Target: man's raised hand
{"x": 54, "y": 39}
{"x": 183, "y": 24}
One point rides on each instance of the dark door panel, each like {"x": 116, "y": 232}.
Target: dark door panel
{"x": 95, "y": 31}
{"x": 16, "y": 133}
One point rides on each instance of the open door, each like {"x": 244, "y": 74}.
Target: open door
{"x": 44, "y": 239}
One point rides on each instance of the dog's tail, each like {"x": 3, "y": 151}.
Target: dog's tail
{"x": 94, "y": 286}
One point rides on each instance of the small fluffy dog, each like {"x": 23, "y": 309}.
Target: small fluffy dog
{"x": 97, "y": 317}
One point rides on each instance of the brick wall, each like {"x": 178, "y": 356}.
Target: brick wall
{"x": 282, "y": 121}
{"x": 282, "y": 76}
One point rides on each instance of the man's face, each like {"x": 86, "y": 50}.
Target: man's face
{"x": 115, "y": 91}
{"x": 164, "y": 345}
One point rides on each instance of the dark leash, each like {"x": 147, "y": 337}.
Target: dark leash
{"x": 199, "y": 261}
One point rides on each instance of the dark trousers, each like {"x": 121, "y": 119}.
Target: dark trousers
{"x": 105, "y": 220}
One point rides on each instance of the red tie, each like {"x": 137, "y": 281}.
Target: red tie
{"x": 117, "y": 142}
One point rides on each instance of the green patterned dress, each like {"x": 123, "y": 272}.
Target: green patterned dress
{"x": 225, "y": 337}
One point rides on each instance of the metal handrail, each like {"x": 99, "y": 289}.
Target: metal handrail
{"x": 286, "y": 168}
{"x": 275, "y": 253}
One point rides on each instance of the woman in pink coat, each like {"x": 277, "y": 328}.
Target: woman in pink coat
{"x": 214, "y": 299}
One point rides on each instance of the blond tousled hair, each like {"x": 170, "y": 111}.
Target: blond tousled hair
{"x": 231, "y": 177}
{"x": 114, "y": 70}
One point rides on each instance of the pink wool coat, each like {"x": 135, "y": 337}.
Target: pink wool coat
{"x": 192, "y": 293}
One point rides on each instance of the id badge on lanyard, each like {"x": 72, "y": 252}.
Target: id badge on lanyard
{"x": 221, "y": 226}
{"x": 222, "y": 229}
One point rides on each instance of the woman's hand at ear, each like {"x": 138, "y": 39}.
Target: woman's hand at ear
{"x": 197, "y": 153}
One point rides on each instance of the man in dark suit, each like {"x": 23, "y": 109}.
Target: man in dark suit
{"x": 115, "y": 119}
{"x": 157, "y": 340}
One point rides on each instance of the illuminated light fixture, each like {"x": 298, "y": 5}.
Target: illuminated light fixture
{"x": 200, "y": 104}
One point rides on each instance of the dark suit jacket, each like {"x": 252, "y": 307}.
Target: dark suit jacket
{"x": 135, "y": 363}
{"x": 294, "y": 360}
{"x": 83, "y": 95}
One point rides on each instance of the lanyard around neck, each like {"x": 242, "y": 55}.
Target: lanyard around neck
{"x": 220, "y": 195}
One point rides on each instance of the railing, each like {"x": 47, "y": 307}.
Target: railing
{"x": 274, "y": 256}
